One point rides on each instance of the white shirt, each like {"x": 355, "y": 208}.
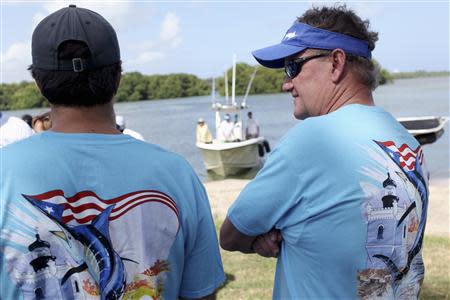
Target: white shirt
{"x": 237, "y": 130}
{"x": 252, "y": 127}
{"x": 13, "y": 129}
{"x": 226, "y": 130}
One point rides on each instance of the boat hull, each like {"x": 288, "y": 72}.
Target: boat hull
{"x": 237, "y": 160}
{"x": 426, "y": 130}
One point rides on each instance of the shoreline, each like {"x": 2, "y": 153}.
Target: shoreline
{"x": 222, "y": 194}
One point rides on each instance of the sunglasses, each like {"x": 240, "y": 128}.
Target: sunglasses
{"x": 293, "y": 67}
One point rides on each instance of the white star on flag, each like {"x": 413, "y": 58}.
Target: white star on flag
{"x": 49, "y": 210}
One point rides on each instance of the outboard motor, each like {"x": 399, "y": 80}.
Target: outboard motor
{"x": 264, "y": 145}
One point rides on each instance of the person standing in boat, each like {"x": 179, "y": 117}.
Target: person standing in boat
{"x": 319, "y": 203}
{"x": 252, "y": 129}
{"x": 225, "y": 132}
{"x": 237, "y": 129}
{"x": 203, "y": 135}
{"x": 119, "y": 217}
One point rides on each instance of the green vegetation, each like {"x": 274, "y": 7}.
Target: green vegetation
{"x": 250, "y": 276}
{"x": 136, "y": 86}
{"x": 267, "y": 81}
{"x": 20, "y": 96}
{"x": 417, "y": 74}
{"x": 384, "y": 75}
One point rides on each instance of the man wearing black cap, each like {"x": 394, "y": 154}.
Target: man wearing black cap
{"x": 122, "y": 218}
{"x": 318, "y": 204}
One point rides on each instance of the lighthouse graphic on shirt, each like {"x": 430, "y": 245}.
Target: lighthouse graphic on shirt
{"x": 396, "y": 188}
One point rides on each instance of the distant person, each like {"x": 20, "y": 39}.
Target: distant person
{"x": 226, "y": 129}
{"x": 120, "y": 122}
{"x": 86, "y": 211}
{"x": 342, "y": 201}
{"x": 42, "y": 122}
{"x": 13, "y": 129}
{"x": 28, "y": 119}
{"x": 237, "y": 129}
{"x": 252, "y": 129}
{"x": 202, "y": 132}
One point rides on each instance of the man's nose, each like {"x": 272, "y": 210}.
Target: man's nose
{"x": 287, "y": 85}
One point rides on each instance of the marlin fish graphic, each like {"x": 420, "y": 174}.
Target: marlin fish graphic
{"x": 100, "y": 259}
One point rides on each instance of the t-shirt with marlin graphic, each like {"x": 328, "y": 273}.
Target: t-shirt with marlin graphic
{"x": 97, "y": 216}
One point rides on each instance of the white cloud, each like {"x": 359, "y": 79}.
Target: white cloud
{"x": 114, "y": 12}
{"x": 170, "y": 26}
{"x": 15, "y": 61}
{"x": 142, "y": 46}
{"x": 122, "y": 15}
{"x": 143, "y": 58}
{"x": 153, "y": 51}
{"x": 170, "y": 32}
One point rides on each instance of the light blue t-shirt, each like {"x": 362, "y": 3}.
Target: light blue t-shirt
{"x": 84, "y": 215}
{"x": 349, "y": 193}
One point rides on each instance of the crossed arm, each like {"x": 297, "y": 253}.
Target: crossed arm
{"x": 267, "y": 245}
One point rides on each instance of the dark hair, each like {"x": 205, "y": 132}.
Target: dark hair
{"x": 28, "y": 119}
{"x": 343, "y": 20}
{"x": 86, "y": 88}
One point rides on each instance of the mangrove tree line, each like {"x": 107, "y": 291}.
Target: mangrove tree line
{"x": 135, "y": 86}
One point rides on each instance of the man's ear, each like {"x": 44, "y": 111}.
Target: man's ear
{"x": 338, "y": 60}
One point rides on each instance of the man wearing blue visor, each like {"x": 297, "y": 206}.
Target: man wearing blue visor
{"x": 342, "y": 200}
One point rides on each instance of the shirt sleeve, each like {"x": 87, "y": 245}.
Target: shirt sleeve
{"x": 203, "y": 271}
{"x": 267, "y": 198}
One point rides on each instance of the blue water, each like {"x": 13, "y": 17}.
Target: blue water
{"x": 171, "y": 123}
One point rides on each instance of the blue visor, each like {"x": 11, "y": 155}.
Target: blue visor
{"x": 301, "y": 37}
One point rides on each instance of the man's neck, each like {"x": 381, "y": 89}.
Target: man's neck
{"x": 96, "y": 119}
{"x": 349, "y": 92}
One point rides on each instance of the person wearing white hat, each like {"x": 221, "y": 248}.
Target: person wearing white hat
{"x": 203, "y": 135}
{"x": 225, "y": 131}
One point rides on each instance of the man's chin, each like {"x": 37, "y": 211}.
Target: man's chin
{"x": 301, "y": 115}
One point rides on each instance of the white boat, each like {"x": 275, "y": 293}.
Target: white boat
{"x": 240, "y": 158}
{"x": 426, "y": 130}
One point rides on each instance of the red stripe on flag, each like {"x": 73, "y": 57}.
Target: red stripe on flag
{"x": 146, "y": 201}
{"x": 48, "y": 195}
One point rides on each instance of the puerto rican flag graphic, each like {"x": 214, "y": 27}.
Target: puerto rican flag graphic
{"x": 406, "y": 157}
{"x": 84, "y": 206}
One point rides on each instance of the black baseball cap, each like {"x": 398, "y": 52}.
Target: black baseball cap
{"x": 76, "y": 24}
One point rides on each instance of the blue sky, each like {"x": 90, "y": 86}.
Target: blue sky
{"x": 199, "y": 37}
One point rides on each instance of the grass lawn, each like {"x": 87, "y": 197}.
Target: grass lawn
{"x": 436, "y": 254}
{"x": 251, "y": 276}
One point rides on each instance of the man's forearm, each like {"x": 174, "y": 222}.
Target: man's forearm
{"x": 232, "y": 239}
